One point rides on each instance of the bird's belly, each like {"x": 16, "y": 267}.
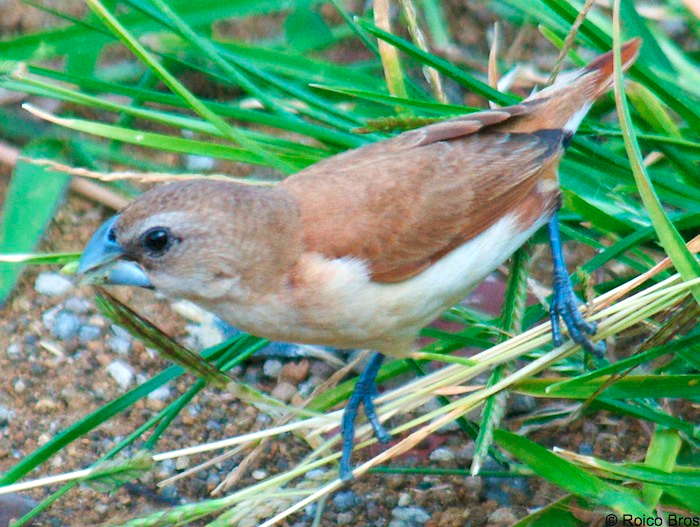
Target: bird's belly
{"x": 335, "y": 303}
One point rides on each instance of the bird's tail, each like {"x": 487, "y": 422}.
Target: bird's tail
{"x": 566, "y": 102}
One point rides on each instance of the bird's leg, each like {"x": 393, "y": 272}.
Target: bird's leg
{"x": 564, "y": 303}
{"x": 364, "y": 391}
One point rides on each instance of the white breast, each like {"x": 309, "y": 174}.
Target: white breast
{"x": 345, "y": 309}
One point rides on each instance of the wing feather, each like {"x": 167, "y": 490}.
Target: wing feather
{"x": 401, "y": 204}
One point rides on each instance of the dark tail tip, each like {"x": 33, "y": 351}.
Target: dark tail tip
{"x": 604, "y": 63}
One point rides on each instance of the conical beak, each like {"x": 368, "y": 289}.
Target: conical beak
{"x": 101, "y": 264}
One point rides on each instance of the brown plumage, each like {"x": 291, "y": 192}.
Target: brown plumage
{"x": 364, "y": 248}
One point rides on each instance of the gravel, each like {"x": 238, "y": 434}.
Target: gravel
{"x": 442, "y": 454}
{"x": 13, "y": 506}
{"x": 161, "y": 393}
{"x": 272, "y": 368}
{"x": 121, "y": 372}
{"x": 119, "y": 344}
{"x": 345, "y": 499}
{"x": 78, "y": 305}
{"x": 88, "y": 333}
{"x": 6, "y": 415}
{"x": 52, "y": 284}
{"x": 66, "y": 325}
{"x": 409, "y": 517}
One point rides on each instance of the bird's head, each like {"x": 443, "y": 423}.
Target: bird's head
{"x": 197, "y": 240}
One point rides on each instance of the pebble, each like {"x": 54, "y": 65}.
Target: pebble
{"x": 119, "y": 344}
{"x": 259, "y": 474}
{"x": 272, "y": 368}
{"x": 182, "y": 463}
{"x": 89, "y": 333}
{"x": 162, "y": 393}
{"x": 6, "y": 415}
{"x": 14, "y": 350}
{"x": 502, "y": 516}
{"x": 284, "y": 391}
{"x": 345, "y": 500}
{"x": 316, "y": 474}
{"x": 52, "y": 284}
{"x": 520, "y": 404}
{"x": 295, "y": 372}
{"x": 121, "y": 372}
{"x": 442, "y": 454}
{"x": 13, "y": 506}
{"x": 409, "y": 516}
{"x": 465, "y": 453}
{"x": 165, "y": 469}
{"x": 344, "y": 518}
{"x": 65, "y": 326}
{"x": 197, "y": 163}
{"x": 170, "y": 493}
{"x": 77, "y": 305}
{"x": 404, "y": 499}
{"x": 19, "y": 386}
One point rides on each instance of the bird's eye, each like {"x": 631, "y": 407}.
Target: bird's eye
{"x": 156, "y": 241}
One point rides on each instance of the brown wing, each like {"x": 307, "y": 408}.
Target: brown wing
{"x": 403, "y": 203}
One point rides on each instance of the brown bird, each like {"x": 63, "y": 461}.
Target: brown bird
{"x": 363, "y": 249}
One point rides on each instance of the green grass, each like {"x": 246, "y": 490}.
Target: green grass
{"x": 628, "y": 212}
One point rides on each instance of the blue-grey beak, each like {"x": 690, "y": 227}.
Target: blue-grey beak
{"x": 100, "y": 260}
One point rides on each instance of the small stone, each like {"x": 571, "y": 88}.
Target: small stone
{"x": 272, "y": 368}
{"x": 46, "y": 406}
{"x": 161, "y": 393}
{"x": 89, "y": 333}
{"x": 519, "y": 404}
{"x": 197, "y": 163}
{"x": 411, "y": 515}
{"x": 404, "y": 499}
{"x": 77, "y": 305}
{"x": 52, "y": 284}
{"x": 345, "y": 500}
{"x": 6, "y": 415}
{"x": 165, "y": 468}
{"x": 119, "y": 345}
{"x": 182, "y": 463}
{"x": 259, "y": 474}
{"x": 212, "y": 482}
{"x": 19, "y": 386}
{"x": 316, "y": 474}
{"x": 171, "y": 494}
{"x": 502, "y": 516}
{"x": 121, "y": 372}
{"x": 295, "y": 372}
{"x": 65, "y": 326}
{"x": 344, "y": 518}
{"x": 14, "y": 350}
{"x": 442, "y": 454}
{"x": 120, "y": 332}
{"x": 14, "y": 506}
{"x": 203, "y": 335}
{"x": 466, "y": 453}
{"x": 283, "y": 391}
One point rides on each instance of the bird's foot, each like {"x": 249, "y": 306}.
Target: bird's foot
{"x": 363, "y": 394}
{"x": 565, "y": 306}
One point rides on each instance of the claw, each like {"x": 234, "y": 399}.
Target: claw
{"x": 364, "y": 392}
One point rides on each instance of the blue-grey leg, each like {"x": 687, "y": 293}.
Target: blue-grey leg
{"x": 565, "y": 303}
{"x": 364, "y": 391}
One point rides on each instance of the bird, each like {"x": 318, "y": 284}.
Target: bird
{"x": 363, "y": 249}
